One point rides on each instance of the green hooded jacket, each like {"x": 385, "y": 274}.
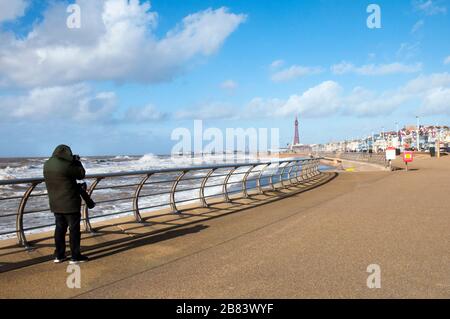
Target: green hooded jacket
{"x": 61, "y": 173}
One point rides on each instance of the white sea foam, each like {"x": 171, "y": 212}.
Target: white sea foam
{"x": 33, "y": 168}
{"x": 122, "y": 157}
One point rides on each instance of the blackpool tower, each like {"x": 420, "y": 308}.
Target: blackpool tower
{"x": 296, "y": 137}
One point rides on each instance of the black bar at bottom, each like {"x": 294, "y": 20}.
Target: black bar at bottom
{"x": 235, "y": 308}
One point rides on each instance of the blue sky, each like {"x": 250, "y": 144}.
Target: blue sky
{"x": 136, "y": 70}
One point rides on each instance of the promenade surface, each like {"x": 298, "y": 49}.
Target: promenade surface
{"x": 315, "y": 242}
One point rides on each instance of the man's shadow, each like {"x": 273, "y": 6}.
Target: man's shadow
{"x": 111, "y": 250}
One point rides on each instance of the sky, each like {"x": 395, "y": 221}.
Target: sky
{"x": 132, "y": 71}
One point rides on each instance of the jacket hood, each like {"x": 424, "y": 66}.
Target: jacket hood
{"x": 64, "y": 152}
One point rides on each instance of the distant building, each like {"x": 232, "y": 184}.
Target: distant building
{"x": 296, "y": 147}
{"x": 296, "y": 136}
{"x": 404, "y": 139}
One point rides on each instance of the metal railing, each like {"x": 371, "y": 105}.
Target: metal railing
{"x": 376, "y": 158}
{"x": 126, "y": 193}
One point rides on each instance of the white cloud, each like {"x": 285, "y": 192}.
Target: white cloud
{"x": 116, "y": 42}
{"x": 147, "y": 113}
{"x": 294, "y": 72}
{"x": 260, "y": 108}
{"x": 376, "y": 69}
{"x": 329, "y": 98}
{"x": 321, "y": 100}
{"x": 12, "y": 9}
{"x": 429, "y": 7}
{"x": 276, "y": 64}
{"x": 71, "y": 103}
{"x": 362, "y": 102}
{"x": 342, "y": 68}
{"x": 408, "y": 50}
{"x": 425, "y": 94}
{"x": 417, "y": 26}
{"x": 430, "y": 92}
{"x": 212, "y": 111}
{"x": 436, "y": 101}
{"x": 425, "y": 83}
{"x": 229, "y": 85}
{"x": 447, "y": 60}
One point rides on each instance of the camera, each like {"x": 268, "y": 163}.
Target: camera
{"x": 76, "y": 157}
{"x": 86, "y": 197}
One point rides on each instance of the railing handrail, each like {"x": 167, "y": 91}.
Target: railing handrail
{"x": 153, "y": 171}
{"x": 375, "y": 158}
{"x": 305, "y": 168}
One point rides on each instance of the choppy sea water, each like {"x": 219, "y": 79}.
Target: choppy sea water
{"x": 154, "y": 195}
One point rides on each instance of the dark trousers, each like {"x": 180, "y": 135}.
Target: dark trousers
{"x": 62, "y": 222}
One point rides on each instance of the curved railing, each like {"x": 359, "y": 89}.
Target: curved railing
{"x": 376, "y": 158}
{"x": 124, "y": 193}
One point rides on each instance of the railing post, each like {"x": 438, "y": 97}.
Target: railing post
{"x": 272, "y": 186}
{"x": 85, "y": 213}
{"x": 298, "y": 173}
{"x": 137, "y": 214}
{"x": 311, "y": 168}
{"x": 258, "y": 181}
{"x": 19, "y": 219}
{"x": 282, "y": 173}
{"x": 290, "y": 170}
{"x": 202, "y": 187}
{"x": 313, "y": 164}
{"x": 244, "y": 181}
{"x": 298, "y": 164}
{"x": 304, "y": 168}
{"x": 225, "y": 182}
{"x": 289, "y": 173}
{"x": 173, "y": 205}
{"x": 300, "y": 169}
{"x": 308, "y": 167}
{"x": 315, "y": 167}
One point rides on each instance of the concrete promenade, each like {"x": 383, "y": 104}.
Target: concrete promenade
{"x": 311, "y": 241}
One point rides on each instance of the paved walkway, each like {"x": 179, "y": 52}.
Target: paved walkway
{"x": 316, "y": 243}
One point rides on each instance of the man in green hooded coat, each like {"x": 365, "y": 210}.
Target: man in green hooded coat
{"x": 61, "y": 173}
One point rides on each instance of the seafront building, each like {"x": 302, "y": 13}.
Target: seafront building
{"x": 404, "y": 139}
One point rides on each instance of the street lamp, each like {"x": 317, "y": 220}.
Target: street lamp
{"x": 417, "y": 134}
{"x": 396, "y": 133}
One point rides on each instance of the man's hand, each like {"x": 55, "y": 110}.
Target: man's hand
{"x": 77, "y": 169}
